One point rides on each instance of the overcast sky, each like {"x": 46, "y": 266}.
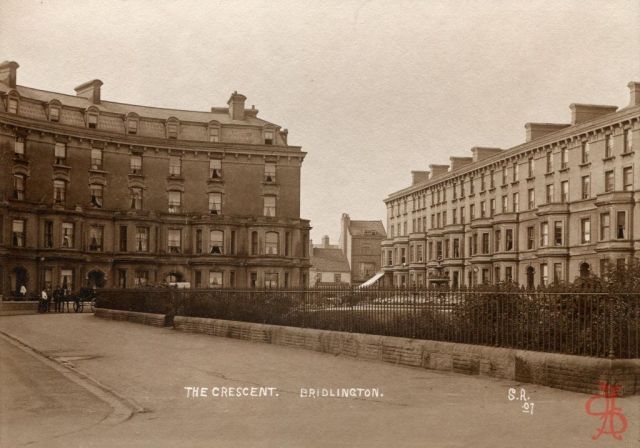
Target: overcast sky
{"x": 371, "y": 90}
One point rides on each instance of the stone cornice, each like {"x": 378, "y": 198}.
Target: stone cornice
{"x": 45, "y": 127}
{"x": 564, "y": 136}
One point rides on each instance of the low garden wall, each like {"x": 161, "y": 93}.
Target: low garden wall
{"x": 9, "y": 308}
{"x": 573, "y": 373}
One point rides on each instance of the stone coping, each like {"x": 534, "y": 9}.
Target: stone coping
{"x": 567, "y": 372}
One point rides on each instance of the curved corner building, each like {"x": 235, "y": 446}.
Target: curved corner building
{"x": 108, "y": 194}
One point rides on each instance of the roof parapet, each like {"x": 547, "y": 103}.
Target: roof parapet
{"x": 438, "y": 170}
{"x": 90, "y": 90}
{"x": 581, "y": 113}
{"x": 634, "y": 88}
{"x": 480, "y": 153}
{"x": 419, "y": 176}
{"x": 9, "y": 73}
{"x": 538, "y": 130}
{"x": 459, "y": 162}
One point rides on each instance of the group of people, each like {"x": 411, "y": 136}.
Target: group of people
{"x": 59, "y": 299}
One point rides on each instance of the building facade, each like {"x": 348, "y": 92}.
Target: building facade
{"x": 561, "y": 205}
{"x": 329, "y": 265}
{"x": 117, "y": 195}
{"x": 361, "y": 242}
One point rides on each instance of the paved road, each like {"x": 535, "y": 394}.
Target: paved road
{"x": 149, "y": 367}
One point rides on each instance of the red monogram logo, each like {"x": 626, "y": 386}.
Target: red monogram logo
{"x": 611, "y": 412}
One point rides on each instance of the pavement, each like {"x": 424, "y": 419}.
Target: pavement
{"x": 75, "y": 380}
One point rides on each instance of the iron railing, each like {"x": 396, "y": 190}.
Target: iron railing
{"x": 575, "y": 322}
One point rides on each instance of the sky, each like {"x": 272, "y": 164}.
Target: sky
{"x": 371, "y": 90}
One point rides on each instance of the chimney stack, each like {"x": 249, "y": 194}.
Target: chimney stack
{"x": 90, "y": 90}
{"x": 325, "y": 242}
{"x": 581, "y": 113}
{"x": 459, "y": 162}
{"x": 236, "y": 106}
{"x": 419, "y": 176}
{"x": 438, "y": 170}
{"x": 9, "y": 73}
{"x": 480, "y": 153}
{"x": 537, "y": 130}
{"x": 634, "y": 87}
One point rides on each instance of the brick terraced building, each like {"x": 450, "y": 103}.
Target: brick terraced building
{"x": 117, "y": 195}
{"x": 561, "y": 205}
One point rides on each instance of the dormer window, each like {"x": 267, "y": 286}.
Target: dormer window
{"x": 172, "y": 130}
{"x": 61, "y": 153}
{"x": 96, "y": 159}
{"x": 132, "y": 126}
{"x": 92, "y": 120}
{"x": 215, "y": 169}
{"x": 54, "y": 114}
{"x": 269, "y": 172}
{"x": 268, "y": 137}
{"x": 13, "y": 106}
{"x": 214, "y": 135}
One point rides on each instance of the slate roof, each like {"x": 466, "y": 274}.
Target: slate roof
{"x": 359, "y": 227}
{"x": 220, "y": 114}
{"x": 329, "y": 260}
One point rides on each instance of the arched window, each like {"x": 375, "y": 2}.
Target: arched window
{"x": 254, "y": 243}
{"x": 530, "y": 276}
{"x": 585, "y": 269}
{"x": 271, "y": 243}
{"x": 216, "y": 242}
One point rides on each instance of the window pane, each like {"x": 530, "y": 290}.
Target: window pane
{"x": 216, "y": 239}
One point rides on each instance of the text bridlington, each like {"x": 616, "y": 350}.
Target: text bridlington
{"x": 353, "y": 392}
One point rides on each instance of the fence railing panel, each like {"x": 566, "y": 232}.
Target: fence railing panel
{"x": 587, "y": 323}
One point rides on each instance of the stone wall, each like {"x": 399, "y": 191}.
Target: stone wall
{"x": 9, "y": 308}
{"x": 574, "y": 373}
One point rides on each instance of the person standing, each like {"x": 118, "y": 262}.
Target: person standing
{"x": 23, "y": 292}
{"x": 49, "y": 297}
{"x": 57, "y": 299}
{"x": 43, "y": 300}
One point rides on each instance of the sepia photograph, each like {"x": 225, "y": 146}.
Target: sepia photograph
{"x": 296, "y": 224}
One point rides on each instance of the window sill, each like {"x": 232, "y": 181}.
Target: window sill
{"x": 472, "y": 195}
{"x": 585, "y": 165}
{"x": 563, "y": 170}
{"x": 99, "y": 171}
{"x": 626, "y": 154}
{"x": 608, "y": 159}
{"x": 515, "y": 183}
{"x": 531, "y": 178}
{"x": 492, "y": 189}
{"x": 59, "y": 165}
{"x": 549, "y": 174}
